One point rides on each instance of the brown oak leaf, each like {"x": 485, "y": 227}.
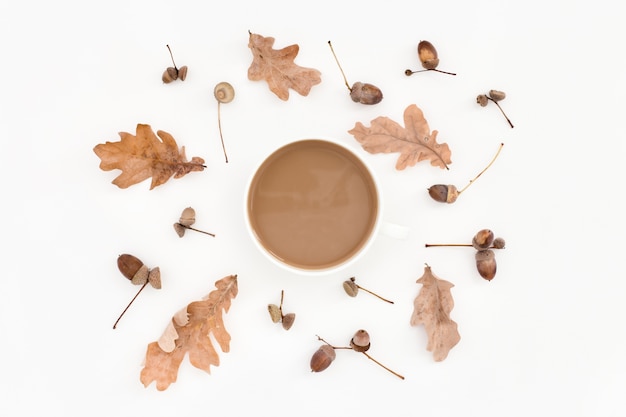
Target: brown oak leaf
{"x": 188, "y": 332}
{"x": 276, "y": 66}
{"x": 432, "y": 308}
{"x": 144, "y": 155}
{"x": 415, "y": 142}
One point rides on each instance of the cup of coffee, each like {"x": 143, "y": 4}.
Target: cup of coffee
{"x": 313, "y": 206}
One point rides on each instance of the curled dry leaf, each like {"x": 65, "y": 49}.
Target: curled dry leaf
{"x": 277, "y": 67}
{"x": 432, "y": 308}
{"x": 145, "y": 155}
{"x": 188, "y": 332}
{"x": 415, "y": 142}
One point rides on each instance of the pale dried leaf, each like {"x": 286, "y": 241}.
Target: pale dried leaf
{"x": 145, "y": 155}
{"x": 432, "y": 308}
{"x": 277, "y": 67}
{"x": 190, "y": 334}
{"x": 414, "y": 142}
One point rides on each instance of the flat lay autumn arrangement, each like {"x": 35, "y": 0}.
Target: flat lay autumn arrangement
{"x": 159, "y": 157}
{"x": 312, "y": 209}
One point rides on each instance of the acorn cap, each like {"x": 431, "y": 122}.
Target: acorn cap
{"x": 350, "y": 287}
{"x": 180, "y": 230}
{"x": 360, "y": 341}
{"x": 275, "y": 313}
{"x": 154, "y": 277}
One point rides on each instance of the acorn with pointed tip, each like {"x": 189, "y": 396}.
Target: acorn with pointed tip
{"x": 428, "y": 57}
{"x": 139, "y": 274}
{"x": 322, "y": 358}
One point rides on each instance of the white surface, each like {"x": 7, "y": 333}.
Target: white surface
{"x": 545, "y": 337}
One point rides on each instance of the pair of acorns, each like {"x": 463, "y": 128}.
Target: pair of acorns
{"x": 484, "y": 241}
{"x": 325, "y": 354}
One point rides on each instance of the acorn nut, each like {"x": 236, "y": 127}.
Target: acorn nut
{"x": 444, "y": 193}
{"x": 322, "y": 358}
{"x": 486, "y": 264}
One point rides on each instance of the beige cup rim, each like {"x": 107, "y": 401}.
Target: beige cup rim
{"x": 334, "y": 268}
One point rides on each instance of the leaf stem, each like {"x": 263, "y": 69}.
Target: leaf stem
{"x": 131, "y": 301}
{"x": 487, "y": 167}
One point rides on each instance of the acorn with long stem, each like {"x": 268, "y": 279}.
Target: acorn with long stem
{"x": 187, "y": 218}
{"x": 224, "y": 93}
{"x": 429, "y": 58}
{"x": 352, "y": 289}
{"x": 277, "y": 315}
{"x": 360, "y": 342}
{"x": 139, "y": 274}
{"x": 174, "y": 73}
{"x": 494, "y": 96}
{"x": 363, "y": 93}
{"x": 449, "y": 193}
{"x": 484, "y": 241}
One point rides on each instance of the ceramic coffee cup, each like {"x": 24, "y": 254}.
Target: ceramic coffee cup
{"x": 314, "y": 207}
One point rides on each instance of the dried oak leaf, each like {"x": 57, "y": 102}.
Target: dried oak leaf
{"x": 144, "y": 155}
{"x": 188, "y": 332}
{"x": 276, "y": 66}
{"x": 415, "y": 142}
{"x": 432, "y": 308}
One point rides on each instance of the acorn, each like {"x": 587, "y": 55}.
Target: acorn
{"x": 427, "y": 55}
{"x": 444, "y": 193}
{"x": 173, "y": 73}
{"x": 139, "y": 274}
{"x": 322, "y": 358}
{"x": 132, "y": 268}
{"x": 360, "y": 342}
{"x": 363, "y": 93}
{"x": 499, "y": 243}
{"x": 287, "y": 320}
{"x": 482, "y": 99}
{"x": 497, "y": 95}
{"x": 486, "y": 264}
{"x": 483, "y": 239}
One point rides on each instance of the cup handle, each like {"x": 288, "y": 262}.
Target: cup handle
{"x": 394, "y": 230}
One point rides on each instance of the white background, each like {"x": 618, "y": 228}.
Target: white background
{"x": 545, "y": 337}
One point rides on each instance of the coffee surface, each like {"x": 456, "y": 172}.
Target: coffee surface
{"x": 312, "y": 204}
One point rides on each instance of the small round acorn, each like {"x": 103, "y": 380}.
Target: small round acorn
{"x": 322, "y": 358}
